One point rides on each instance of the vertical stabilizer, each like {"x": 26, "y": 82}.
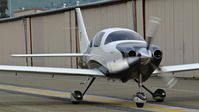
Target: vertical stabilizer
{"x": 83, "y": 37}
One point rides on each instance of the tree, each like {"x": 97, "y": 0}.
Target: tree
{"x": 3, "y": 8}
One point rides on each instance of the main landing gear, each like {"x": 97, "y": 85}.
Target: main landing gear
{"x": 140, "y": 98}
{"x": 77, "y": 96}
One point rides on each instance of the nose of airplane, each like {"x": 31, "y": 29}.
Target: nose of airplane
{"x": 145, "y": 55}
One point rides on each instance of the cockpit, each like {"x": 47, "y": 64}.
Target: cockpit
{"x": 112, "y": 36}
{"x": 122, "y": 35}
{"x": 97, "y": 39}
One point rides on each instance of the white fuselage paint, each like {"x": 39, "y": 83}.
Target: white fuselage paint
{"x": 108, "y": 52}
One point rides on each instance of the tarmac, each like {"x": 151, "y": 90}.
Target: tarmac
{"x": 42, "y": 93}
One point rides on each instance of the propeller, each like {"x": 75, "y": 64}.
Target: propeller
{"x": 122, "y": 64}
{"x": 154, "y": 22}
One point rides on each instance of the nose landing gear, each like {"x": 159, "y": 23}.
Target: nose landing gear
{"x": 140, "y": 98}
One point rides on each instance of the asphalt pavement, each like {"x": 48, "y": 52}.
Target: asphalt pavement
{"x": 39, "y": 93}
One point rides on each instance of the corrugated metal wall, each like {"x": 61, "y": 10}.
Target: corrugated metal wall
{"x": 57, "y": 33}
{"x": 51, "y": 34}
{"x": 99, "y": 18}
{"x": 12, "y": 40}
{"x": 178, "y": 33}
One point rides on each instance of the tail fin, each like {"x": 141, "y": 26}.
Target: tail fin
{"x": 83, "y": 37}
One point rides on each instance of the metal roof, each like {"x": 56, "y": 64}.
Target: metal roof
{"x": 49, "y": 12}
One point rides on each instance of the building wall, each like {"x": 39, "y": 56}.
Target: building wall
{"x": 12, "y": 40}
{"x": 50, "y": 35}
{"x": 99, "y": 18}
{"x": 178, "y": 32}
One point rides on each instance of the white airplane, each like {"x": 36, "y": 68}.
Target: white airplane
{"x": 114, "y": 53}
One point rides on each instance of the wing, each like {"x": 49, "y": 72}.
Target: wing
{"x": 51, "y": 55}
{"x": 177, "y": 68}
{"x": 51, "y": 70}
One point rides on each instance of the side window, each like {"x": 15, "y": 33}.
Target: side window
{"x": 98, "y": 39}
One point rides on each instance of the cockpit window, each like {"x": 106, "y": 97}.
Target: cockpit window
{"x": 122, "y": 35}
{"x": 98, "y": 39}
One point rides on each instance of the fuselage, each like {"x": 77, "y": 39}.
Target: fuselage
{"x": 116, "y": 44}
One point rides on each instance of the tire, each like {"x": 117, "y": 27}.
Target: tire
{"x": 76, "y": 97}
{"x": 159, "y": 95}
{"x": 75, "y": 102}
{"x": 140, "y": 99}
{"x": 160, "y": 100}
{"x": 140, "y": 105}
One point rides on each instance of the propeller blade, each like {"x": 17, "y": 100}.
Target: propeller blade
{"x": 153, "y": 27}
{"x": 170, "y": 81}
{"x": 156, "y": 67}
{"x": 123, "y": 64}
{"x": 154, "y": 22}
{"x": 148, "y": 42}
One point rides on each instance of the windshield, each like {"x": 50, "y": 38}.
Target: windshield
{"x": 123, "y": 35}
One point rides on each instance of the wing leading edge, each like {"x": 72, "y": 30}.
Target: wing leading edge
{"x": 51, "y": 70}
{"x": 90, "y": 72}
{"x": 51, "y": 55}
{"x": 177, "y": 68}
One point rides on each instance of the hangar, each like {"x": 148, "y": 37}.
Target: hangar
{"x": 55, "y": 31}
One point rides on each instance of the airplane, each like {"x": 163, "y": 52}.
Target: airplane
{"x": 113, "y": 53}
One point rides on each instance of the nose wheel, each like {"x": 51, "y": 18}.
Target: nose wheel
{"x": 140, "y": 99}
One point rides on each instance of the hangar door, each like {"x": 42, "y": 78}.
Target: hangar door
{"x": 178, "y": 35}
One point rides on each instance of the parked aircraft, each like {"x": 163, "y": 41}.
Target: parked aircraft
{"x": 114, "y": 53}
